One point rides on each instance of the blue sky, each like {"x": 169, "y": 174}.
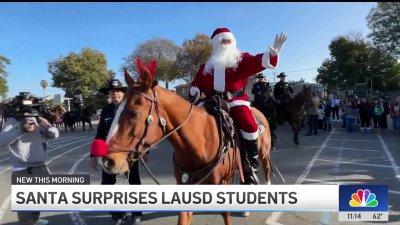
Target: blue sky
{"x": 32, "y": 34}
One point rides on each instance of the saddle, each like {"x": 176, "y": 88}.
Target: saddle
{"x": 229, "y": 135}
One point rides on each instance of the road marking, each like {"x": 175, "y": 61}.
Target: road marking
{"x": 274, "y": 217}
{"x": 75, "y": 217}
{"x": 355, "y": 149}
{"x": 4, "y": 207}
{"x": 8, "y": 168}
{"x": 69, "y": 139}
{"x": 8, "y": 199}
{"x": 394, "y": 192}
{"x": 353, "y": 163}
{"x": 390, "y": 157}
{"x": 362, "y": 140}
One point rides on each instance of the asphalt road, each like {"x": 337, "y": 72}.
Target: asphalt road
{"x": 334, "y": 157}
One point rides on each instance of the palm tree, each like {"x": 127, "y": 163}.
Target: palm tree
{"x": 44, "y": 85}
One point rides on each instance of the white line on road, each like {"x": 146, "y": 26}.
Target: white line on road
{"x": 353, "y": 163}
{"x": 8, "y": 168}
{"x": 4, "y": 207}
{"x": 274, "y": 217}
{"x": 362, "y": 140}
{"x": 75, "y": 217}
{"x": 390, "y": 157}
{"x": 355, "y": 149}
{"x": 394, "y": 192}
{"x": 8, "y": 199}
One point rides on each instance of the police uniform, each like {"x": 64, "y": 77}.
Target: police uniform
{"x": 106, "y": 117}
{"x": 282, "y": 92}
{"x": 265, "y": 104}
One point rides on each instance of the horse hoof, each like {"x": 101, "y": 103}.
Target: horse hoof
{"x": 245, "y": 214}
{"x": 298, "y": 146}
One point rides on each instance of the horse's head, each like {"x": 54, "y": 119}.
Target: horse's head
{"x": 137, "y": 123}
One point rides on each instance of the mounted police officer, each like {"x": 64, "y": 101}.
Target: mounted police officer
{"x": 260, "y": 89}
{"x": 115, "y": 90}
{"x": 283, "y": 93}
{"x": 266, "y": 103}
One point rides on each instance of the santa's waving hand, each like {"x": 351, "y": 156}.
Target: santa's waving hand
{"x": 278, "y": 44}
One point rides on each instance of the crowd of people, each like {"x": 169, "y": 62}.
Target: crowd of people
{"x": 368, "y": 113}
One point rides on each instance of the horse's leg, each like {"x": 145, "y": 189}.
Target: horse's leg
{"x": 90, "y": 125}
{"x": 184, "y": 218}
{"x": 227, "y": 217}
{"x": 295, "y": 134}
{"x": 83, "y": 124}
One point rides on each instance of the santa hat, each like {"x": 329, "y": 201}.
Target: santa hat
{"x": 222, "y": 33}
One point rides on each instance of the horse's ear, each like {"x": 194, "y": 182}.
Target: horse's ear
{"x": 146, "y": 73}
{"x": 128, "y": 79}
{"x": 146, "y": 78}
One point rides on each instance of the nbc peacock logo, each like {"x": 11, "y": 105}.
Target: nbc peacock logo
{"x": 363, "y": 198}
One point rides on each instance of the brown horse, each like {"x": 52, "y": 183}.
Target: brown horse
{"x": 55, "y": 114}
{"x": 294, "y": 111}
{"x": 149, "y": 112}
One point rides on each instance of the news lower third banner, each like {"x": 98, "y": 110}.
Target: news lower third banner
{"x": 50, "y": 193}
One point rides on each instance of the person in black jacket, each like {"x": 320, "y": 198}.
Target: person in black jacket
{"x": 116, "y": 92}
{"x": 366, "y": 113}
{"x": 265, "y": 103}
{"x": 282, "y": 93}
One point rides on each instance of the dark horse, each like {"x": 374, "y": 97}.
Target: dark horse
{"x": 70, "y": 119}
{"x": 293, "y": 110}
{"x": 86, "y": 116}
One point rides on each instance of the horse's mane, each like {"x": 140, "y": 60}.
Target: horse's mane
{"x": 298, "y": 99}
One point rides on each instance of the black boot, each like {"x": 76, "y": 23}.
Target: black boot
{"x": 252, "y": 153}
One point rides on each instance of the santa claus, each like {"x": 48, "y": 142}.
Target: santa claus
{"x": 226, "y": 72}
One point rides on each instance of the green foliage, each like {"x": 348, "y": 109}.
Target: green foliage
{"x": 80, "y": 73}
{"x": 354, "y": 61}
{"x": 384, "y": 21}
{"x": 160, "y": 49}
{"x": 3, "y": 74}
{"x": 3, "y": 87}
{"x": 194, "y": 52}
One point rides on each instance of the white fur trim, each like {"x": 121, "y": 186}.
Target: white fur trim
{"x": 249, "y": 136}
{"x": 224, "y": 35}
{"x": 239, "y": 103}
{"x": 266, "y": 63}
{"x": 219, "y": 79}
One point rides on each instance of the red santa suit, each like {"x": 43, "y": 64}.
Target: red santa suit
{"x": 235, "y": 79}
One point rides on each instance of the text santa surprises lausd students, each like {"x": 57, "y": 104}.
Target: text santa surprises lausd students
{"x": 25, "y": 135}
{"x": 225, "y": 73}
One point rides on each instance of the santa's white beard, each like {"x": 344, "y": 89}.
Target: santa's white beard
{"x": 223, "y": 56}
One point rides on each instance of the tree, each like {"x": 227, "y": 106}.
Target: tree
{"x": 3, "y": 74}
{"x": 356, "y": 61}
{"x": 80, "y": 73}
{"x": 194, "y": 52}
{"x": 160, "y": 49}
{"x": 44, "y": 85}
{"x": 384, "y": 21}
